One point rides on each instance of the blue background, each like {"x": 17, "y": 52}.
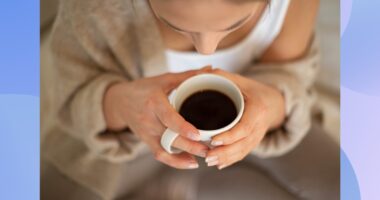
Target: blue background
{"x": 19, "y": 99}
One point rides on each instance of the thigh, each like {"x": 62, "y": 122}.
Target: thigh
{"x": 310, "y": 171}
{"x": 241, "y": 182}
{"x": 126, "y": 179}
{"x": 169, "y": 184}
{"x": 238, "y": 182}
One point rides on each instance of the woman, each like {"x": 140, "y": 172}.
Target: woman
{"x": 107, "y": 102}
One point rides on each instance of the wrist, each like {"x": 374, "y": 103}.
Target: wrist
{"x": 111, "y": 112}
{"x": 277, "y": 108}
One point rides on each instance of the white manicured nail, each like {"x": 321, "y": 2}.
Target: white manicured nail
{"x": 211, "y": 159}
{"x": 193, "y": 166}
{"x": 203, "y": 154}
{"x": 216, "y": 143}
{"x": 221, "y": 167}
{"x": 212, "y": 163}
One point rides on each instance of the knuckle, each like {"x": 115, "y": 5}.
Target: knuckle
{"x": 218, "y": 71}
{"x": 167, "y": 75}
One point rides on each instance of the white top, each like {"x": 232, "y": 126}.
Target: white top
{"x": 240, "y": 55}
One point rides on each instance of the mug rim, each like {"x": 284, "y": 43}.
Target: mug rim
{"x": 211, "y": 133}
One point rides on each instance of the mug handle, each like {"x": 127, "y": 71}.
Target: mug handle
{"x": 167, "y": 140}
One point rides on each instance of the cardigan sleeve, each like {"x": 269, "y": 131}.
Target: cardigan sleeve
{"x": 82, "y": 67}
{"x": 295, "y": 80}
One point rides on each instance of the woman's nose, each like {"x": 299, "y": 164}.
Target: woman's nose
{"x": 206, "y": 43}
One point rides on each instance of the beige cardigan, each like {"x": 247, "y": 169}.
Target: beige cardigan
{"x": 95, "y": 43}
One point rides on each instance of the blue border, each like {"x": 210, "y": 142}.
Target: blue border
{"x": 19, "y": 98}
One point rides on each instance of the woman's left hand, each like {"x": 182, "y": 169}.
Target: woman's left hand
{"x": 264, "y": 110}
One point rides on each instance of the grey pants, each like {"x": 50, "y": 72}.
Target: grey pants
{"x": 310, "y": 171}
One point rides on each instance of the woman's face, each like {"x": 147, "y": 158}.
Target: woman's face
{"x": 205, "y": 22}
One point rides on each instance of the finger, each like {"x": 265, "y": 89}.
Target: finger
{"x": 179, "y": 161}
{"x": 236, "y": 78}
{"x": 225, "y": 74}
{"x": 234, "y": 158}
{"x": 227, "y": 155}
{"x": 241, "y": 130}
{"x": 174, "y": 79}
{"x": 207, "y": 68}
{"x": 222, "y": 155}
{"x": 190, "y": 146}
{"x": 174, "y": 121}
{"x": 237, "y": 156}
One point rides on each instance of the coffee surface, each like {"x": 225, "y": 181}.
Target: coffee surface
{"x": 208, "y": 110}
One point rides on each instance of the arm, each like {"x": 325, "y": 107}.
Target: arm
{"x": 80, "y": 71}
{"x": 96, "y": 99}
{"x": 294, "y": 80}
{"x": 290, "y": 65}
{"x": 277, "y": 90}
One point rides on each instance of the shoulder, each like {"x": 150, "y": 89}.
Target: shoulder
{"x": 296, "y": 34}
{"x": 84, "y": 13}
{"x": 92, "y": 20}
{"x": 89, "y": 27}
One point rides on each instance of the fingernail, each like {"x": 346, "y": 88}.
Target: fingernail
{"x": 203, "y": 153}
{"x": 193, "y": 166}
{"x": 211, "y": 159}
{"x": 216, "y": 143}
{"x": 221, "y": 167}
{"x": 194, "y": 136}
{"x": 213, "y": 163}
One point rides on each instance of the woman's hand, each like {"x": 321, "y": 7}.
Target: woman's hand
{"x": 264, "y": 110}
{"x": 142, "y": 106}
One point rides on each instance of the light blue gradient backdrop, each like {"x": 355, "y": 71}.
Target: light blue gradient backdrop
{"x": 19, "y": 99}
{"x": 360, "y": 93}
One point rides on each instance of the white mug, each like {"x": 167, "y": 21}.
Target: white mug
{"x": 199, "y": 83}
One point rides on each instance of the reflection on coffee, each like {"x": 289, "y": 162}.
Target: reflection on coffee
{"x": 208, "y": 110}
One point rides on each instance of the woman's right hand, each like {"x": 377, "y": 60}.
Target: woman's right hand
{"x": 143, "y": 106}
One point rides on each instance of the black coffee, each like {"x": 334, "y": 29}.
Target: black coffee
{"x": 208, "y": 110}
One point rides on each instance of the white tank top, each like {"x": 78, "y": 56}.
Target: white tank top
{"x": 240, "y": 55}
